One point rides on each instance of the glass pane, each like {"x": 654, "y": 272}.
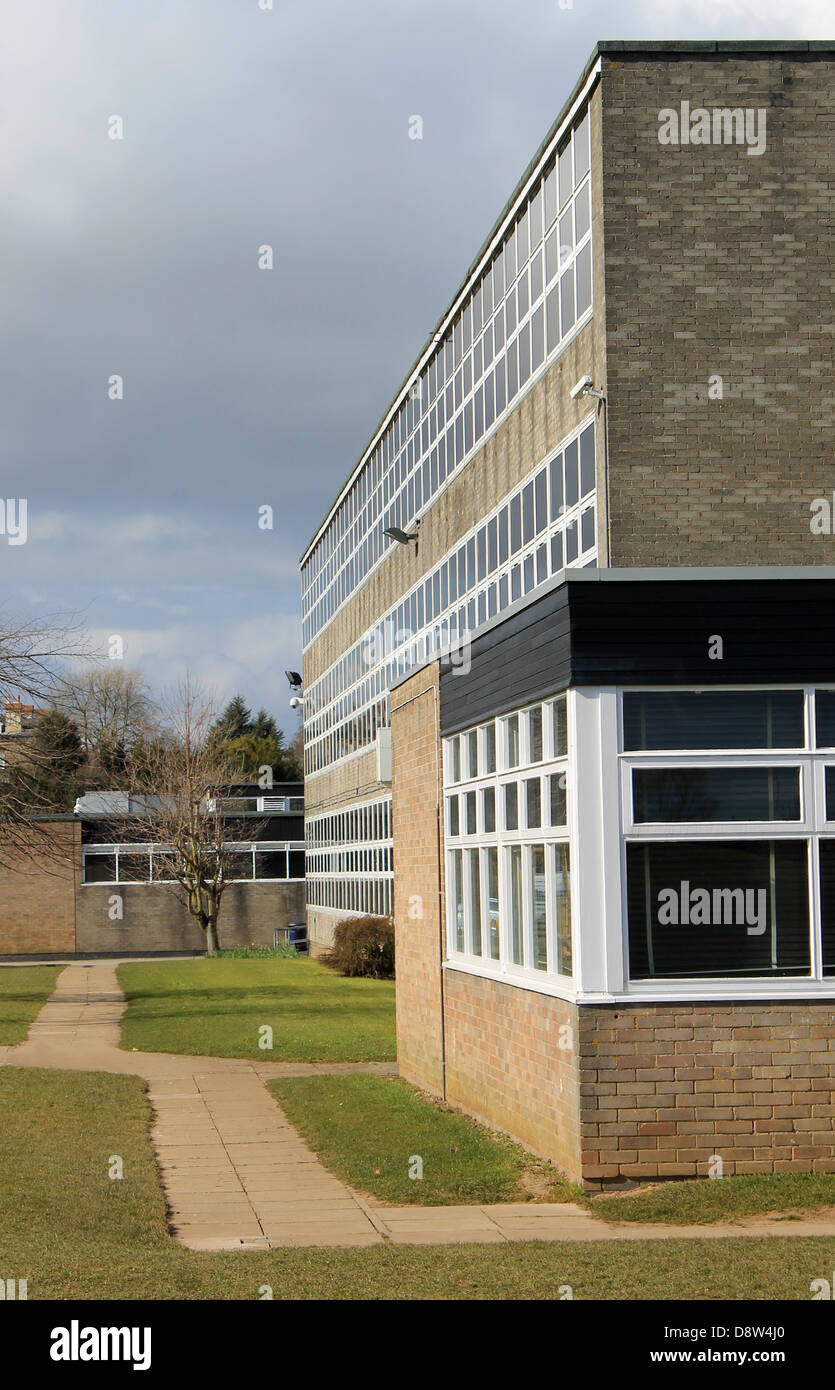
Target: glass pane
{"x": 475, "y": 901}
{"x": 556, "y": 553}
{"x": 582, "y": 214}
{"x": 488, "y": 808}
{"x": 136, "y": 868}
{"x": 830, "y": 793}
{"x": 527, "y": 514}
{"x": 490, "y": 748}
{"x": 567, "y": 300}
{"x": 457, "y": 898}
{"x": 512, "y": 736}
{"x": 718, "y": 909}
{"x": 562, "y": 908}
{"x": 516, "y": 925}
{"x": 716, "y": 794}
{"x": 557, "y": 798}
{"x": 550, "y": 196}
{"x": 511, "y": 807}
{"x": 565, "y": 175}
{"x": 825, "y": 718}
{"x": 555, "y": 470}
{"x": 493, "y": 902}
{"x": 99, "y": 868}
{"x": 469, "y": 812}
{"x": 538, "y": 901}
{"x": 535, "y": 735}
{"x": 587, "y": 530}
{"x": 587, "y": 479}
{"x": 571, "y": 543}
{"x": 713, "y": 719}
{"x": 270, "y": 864}
{"x": 572, "y": 475}
{"x": 581, "y": 148}
{"x": 533, "y": 800}
{"x": 472, "y": 754}
{"x": 454, "y": 753}
{"x": 583, "y": 268}
{"x": 559, "y": 727}
{"x": 452, "y": 815}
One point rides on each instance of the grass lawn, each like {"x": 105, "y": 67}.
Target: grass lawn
{"x": 74, "y": 1233}
{"x": 367, "y": 1129}
{"x": 24, "y": 989}
{"x": 215, "y": 1008}
{"x": 698, "y": 1200}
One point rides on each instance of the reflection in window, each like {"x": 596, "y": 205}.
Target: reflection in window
{"x": 719, "y": 908}
{"x": 516, "y": 921}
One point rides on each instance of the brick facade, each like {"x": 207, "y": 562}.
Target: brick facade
{"x": 718, "y": 262}
{"x": 512, "y": 1063}
{"x": 665, "y": 1087}
{"x": 38, "y": 892}
{"x": 418, "y": 880}
{"x": 46, "y": 910}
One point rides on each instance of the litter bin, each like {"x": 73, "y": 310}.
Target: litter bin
{"x": 294, "y": 934}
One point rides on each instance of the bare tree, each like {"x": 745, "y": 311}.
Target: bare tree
{"x": 176, "y": 804}
{"x": 110, "y": 705}
{"x": 33, "y": 657}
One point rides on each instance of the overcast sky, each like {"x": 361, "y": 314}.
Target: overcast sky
{"x": 243, "y": 387}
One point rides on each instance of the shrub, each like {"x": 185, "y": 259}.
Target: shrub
{"x": 363, "y": 946}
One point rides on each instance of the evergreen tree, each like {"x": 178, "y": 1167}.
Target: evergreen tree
{"x": 235, "y": 721}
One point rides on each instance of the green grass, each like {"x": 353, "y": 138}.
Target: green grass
{"x": 74, "y": 1233}
{"x": 215, "y": 1008}
{"x": 24, "y": 989}
{"x": 699, "y": 1200}
{"x": 367, "y": 1129}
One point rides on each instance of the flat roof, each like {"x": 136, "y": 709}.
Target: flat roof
{"x": 660, "y": 574}
{"x": 620, "y": 48}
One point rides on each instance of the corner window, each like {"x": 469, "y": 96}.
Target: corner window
{"x": 718, "y": 909}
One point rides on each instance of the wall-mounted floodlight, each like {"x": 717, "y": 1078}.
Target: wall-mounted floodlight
{"x": 402, "y": 537}
{"x": 585, "y": 387}
{"x": 295, "y": 679}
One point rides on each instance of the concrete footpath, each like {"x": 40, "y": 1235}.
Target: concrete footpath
{"x": 237, "y": 1175}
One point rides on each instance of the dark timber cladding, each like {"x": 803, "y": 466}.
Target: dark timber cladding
{"x": 615, "y": 628}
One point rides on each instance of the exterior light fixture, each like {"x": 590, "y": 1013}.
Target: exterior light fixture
{"x": 402, "y": 537}
{"x": 295, "y": 679}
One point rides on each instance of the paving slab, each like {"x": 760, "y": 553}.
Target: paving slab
{"x": 238, "y": 1176}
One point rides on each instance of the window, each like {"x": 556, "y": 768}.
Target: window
{"x": 349, "y": 703}
{"x": 732, "y": 908}
{"x": 515, "y": 905}
{"x": 715, "y": 794}
{"x": 512, "y": 741}
{"x": 729, "y": 832}
{"x": 713, "y": 719}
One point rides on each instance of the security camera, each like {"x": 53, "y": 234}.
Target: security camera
{"x": 582, "y": 385}
{"x": 296, "y": 702}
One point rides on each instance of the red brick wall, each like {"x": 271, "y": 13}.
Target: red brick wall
{"x": 417, "y": 878}
{"x": 666, "y": 1086}
{"x": 37, "y": 892}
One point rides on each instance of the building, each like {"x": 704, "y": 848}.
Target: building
{"x": 17, "y": 724}
{"x": 616, "y": 451}
{"x": 89, "y": 887}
